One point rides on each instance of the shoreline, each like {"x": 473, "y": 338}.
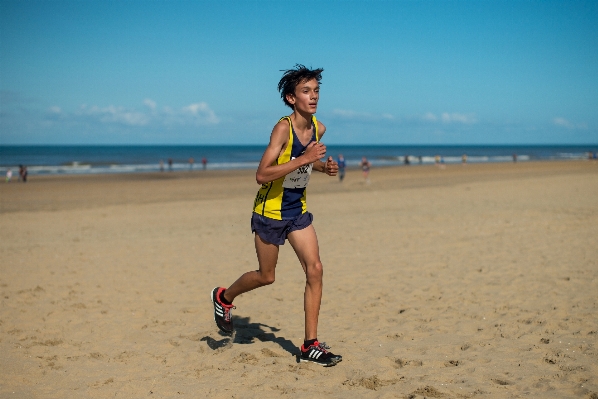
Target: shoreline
{"x": 55, "y": 192}
{"x": 42, "y": 160}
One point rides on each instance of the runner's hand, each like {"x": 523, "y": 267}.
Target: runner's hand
{"x": 331, "y": 167}
{"x": 314, "y": 152}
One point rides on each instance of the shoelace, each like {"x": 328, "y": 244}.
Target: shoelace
{"x": 228, "y": 312}
{"x": 323, "y": 346}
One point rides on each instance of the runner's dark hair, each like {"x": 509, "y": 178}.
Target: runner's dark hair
{"x": 292, "y": 77}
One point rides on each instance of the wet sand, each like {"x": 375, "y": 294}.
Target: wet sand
{"x": 475, "y": 281}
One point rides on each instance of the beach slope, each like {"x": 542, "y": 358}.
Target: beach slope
{"x": 470, "y": 281}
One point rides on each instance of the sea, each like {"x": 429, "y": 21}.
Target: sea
{"x": 94, "y": 159}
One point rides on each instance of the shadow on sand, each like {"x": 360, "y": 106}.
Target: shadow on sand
{"x": 247, "y": 332}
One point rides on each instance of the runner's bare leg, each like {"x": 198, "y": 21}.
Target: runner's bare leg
{"x": 305, "y": 244}
{"x": 267, "y": 256}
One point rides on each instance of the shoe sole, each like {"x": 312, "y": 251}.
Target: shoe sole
{"x": 215, "y": 321}
{"x": 332, "y": 363}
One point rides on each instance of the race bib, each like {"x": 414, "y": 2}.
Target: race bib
{"x": 298, "y": 178}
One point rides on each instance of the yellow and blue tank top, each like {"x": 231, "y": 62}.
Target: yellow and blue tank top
{"x": 285, "y": 198}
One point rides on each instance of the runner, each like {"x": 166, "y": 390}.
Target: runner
{"x": 280, "y": 208}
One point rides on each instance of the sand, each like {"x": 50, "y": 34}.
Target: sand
{"x": 475, "y": 281}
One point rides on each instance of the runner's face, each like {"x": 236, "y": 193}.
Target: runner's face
{"x": 307, "y": 94}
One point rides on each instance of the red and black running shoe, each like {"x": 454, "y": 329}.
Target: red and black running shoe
{"x": 223, "y": 315}
{"x": 318, "y": 353}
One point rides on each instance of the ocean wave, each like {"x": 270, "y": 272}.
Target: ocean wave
{"x": 115, "y": 168}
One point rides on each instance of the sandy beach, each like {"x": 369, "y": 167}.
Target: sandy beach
{"x": 475, "y": 281}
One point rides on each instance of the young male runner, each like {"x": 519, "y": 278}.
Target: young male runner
{"x": 280, "y": 209}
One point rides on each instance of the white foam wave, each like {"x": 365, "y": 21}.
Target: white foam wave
{"x": 84, "y": 168}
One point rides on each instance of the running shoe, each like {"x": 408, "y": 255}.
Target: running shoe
{"x": 318, "y": 353}
{"x": 223, "y": 315}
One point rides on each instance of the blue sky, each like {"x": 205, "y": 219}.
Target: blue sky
{"x": 205, "y": 72}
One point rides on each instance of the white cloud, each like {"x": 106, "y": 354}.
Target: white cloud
{"x": 568, "y": 125}
{"x": 467, "y": 119}
{"x": 446, "y": 117}
{"x": 562, "y": 122}
{"x": 364, "y": 116}
{"x": 345, "y": 113}
{"x": 114, "y": 115}
{"x": 201, "y": 111}
{"x": 151, "y": 104}
{"x": 427, "y": 118}
{"x": 430, "y": 117}
{"x": 195, "y": 114}
{"x": 150, "y": 116}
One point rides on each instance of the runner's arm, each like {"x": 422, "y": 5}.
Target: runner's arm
{"x": 330, "y": 167}
{"x": 268, "y": 171}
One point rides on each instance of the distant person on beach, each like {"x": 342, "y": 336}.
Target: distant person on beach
{"x": 514, "y": 157}
{"x": 170, "y": 164}
{"x": 280, "y": 209}
{"x": 341, "y": 167}
{"x": 191, "y": 161}
{"x": 464, "y": 159}
{"x": 365, "y": 168}
{"x": 407, "y": 160}
{"x": 8, "y": 175}
{"x": 204, "y": 162}
{"x": 161, "y": 165}
{"x": 23, "y": 173}
{"x": 439, "y": 161}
